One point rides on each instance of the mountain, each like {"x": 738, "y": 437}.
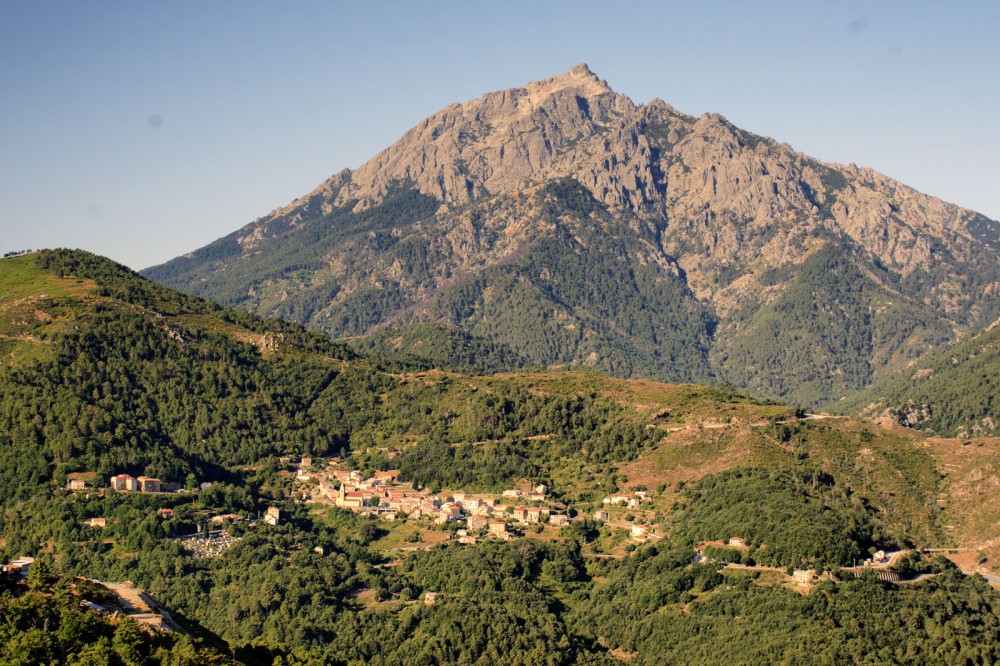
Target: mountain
{"x": 568, "y": 224}
{"x": 952, "y": 391}
{"x": 104, "y": 372}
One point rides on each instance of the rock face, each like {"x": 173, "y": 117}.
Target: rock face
{"x": 569, "y": 224}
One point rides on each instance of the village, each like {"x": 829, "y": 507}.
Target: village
{"x": 381, "y": 495}
{"x": 465, "y": 517}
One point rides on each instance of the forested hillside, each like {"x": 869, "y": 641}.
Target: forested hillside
{"x": 954, "y": 391}
{"x": 104, "y": 372}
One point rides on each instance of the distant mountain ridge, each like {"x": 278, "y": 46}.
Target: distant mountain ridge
{"x": 567, "y": 224}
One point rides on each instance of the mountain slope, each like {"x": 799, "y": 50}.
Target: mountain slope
{"x": 103, "y": 371}
{"x": 570, "y": 225}
{"x": 954, "y": 392}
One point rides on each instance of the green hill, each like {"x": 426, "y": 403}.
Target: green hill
{"x": 105, "y": 372}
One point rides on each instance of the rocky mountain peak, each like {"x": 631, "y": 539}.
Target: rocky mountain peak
{"x": 616, "y": 226}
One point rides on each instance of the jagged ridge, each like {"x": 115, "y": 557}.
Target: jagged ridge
{"x": 690, "y": 226}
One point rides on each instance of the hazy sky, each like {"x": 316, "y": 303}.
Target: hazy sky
{"x": 143, "y": 130}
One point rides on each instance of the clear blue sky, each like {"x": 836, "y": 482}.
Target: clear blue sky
{"x": 143, "y": 130}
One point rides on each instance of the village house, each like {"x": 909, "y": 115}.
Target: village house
{"x": 76, "y": 484}
{"x": 520, "y": 514}
{"x": 19, "y": 566}
{"x": 148, "y": 484}
{"x": 273, "y": 515}
{"x": 638, "y": 531}
{"x": 306, "y": 462}
{"x": 448, "y": 513}
{"x": 99, "y": 523}
{"x": 430, "y": 598}
{"x": 512, "y": 493}
{"x": 124, "y": 483}
{"x": 476, "y": 522}
{"x": 468, "y": 540}
{"x": 559, "y": 519}
{"x": 803, "y": 576}
{"x": 387, "y": 476}
{"x": 616, "y": 499}
{"x": 389, "y": 516}
{"x": 737, "y": 542}
{"x": 601, "y": 516}
{"x": 224, "y": 518}
{"x": 537, "y": 514}
{"x": 541, "y": 489}
{"x": 166, "y": 514}
{"x": 498, "y": 529}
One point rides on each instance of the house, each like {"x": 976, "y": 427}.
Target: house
{"x": 166, "y": 514}
{"x": 389, "y": 516}
{"x": 601, "y": 516}
{"x": 537, "y": 514}
{"x": 476, "y": 522}
{"x": 616, "y": 499}
{"x": 879, "y": 556}
{"x": 559, "y": 519}
{"x": 124, "y": 483}
{"x": 803, "y": 576}
{"x": 737, "y": 542}
{"x": 470, "y": 540}
{"x": 19, "y": 566}
{"x": 148, "y": 484}
{"x": 76, "y": 484}
{"x": 224, "y": 518}
{"x": 520, "y": 514}
{"x": 449, "y": 513}
{"x": 273, "y": 515}
{"x": 388, "y": 476}
{"x": 512, "y": 493}
{"x": 99, "y": 523}
{"x": 541, "y": 489}
{"x": 306, "y": 462}
{"x": 638, "y": 531}
{"x": 430, "y": 598}
{"x": 498, "y": 529}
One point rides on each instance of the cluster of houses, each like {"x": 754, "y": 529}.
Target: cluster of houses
{"x": 144, "y": 484}
{"x": 382, "y": 495}
{"x": 634, "y": 501}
